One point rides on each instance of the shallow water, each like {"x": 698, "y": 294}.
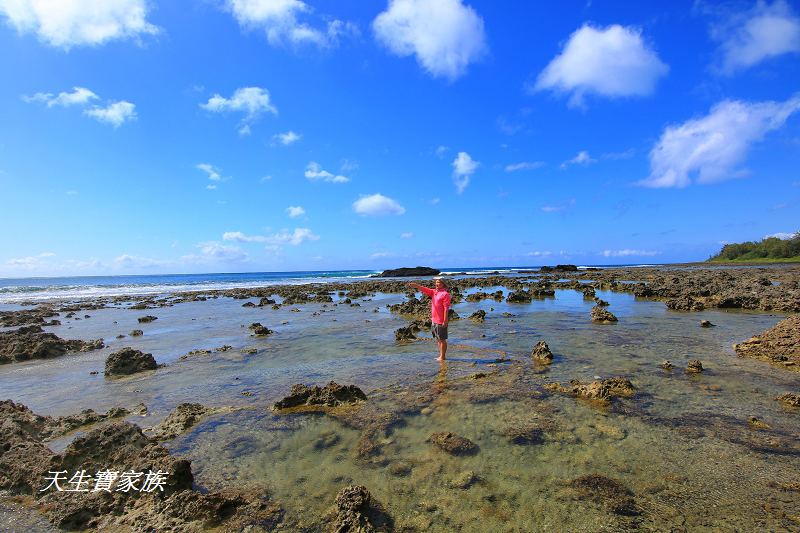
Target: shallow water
{"x": 682, "y": 445}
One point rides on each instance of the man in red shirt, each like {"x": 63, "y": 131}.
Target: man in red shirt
{"x": 440, "y": 305}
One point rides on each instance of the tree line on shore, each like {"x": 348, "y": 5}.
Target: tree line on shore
{"x": 766, "y": 249}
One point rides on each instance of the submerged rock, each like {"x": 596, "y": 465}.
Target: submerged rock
{"x": 453, "y": 444}
{"x": 331, "y": 395}
{"x": 520, "y": 297}
{"x": 129, "y": 361}
{"x": 31, "y": 342}
{"x": 789, "y": 399}
{"x": 685, "y": 303}
{"x": 667, "y": 365}
{"x": 602, "y": 391}
{"x": 541, "y": 353}
{"x": 464, "y": 480}
{"x": 183, "y": 417}
{"x": 602, "y": 315}
{"x": 478, "y": 316}
{"x": 406, "y": 333}
{"x": 259, "y": 330}
{"x": 136, "y": 333}
{"x": 706, "y": 324}
{"x": 521, "y": 435}
{"x": 694, "y": 366}
{"x": 779, "y": 345}
{"x": 356, "y": 511}
{"x": 606, "y": 491}
{"x": 147, "y": 319}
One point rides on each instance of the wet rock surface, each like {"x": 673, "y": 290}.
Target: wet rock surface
{"x": 779, "y": 345}
{"x": 601, "y": 391}
{"x": 31, "y": 342}
{"x": 406, "y": 333}
{"x": 453, "y": 444}
{"x": 606, "y": 491}
{"x": 259, "y": 330}
{"x": 183, "y": 417}
{"x": 129, "y": 361}
{"x": 478, "y": 316}
{"x": 694, "y": 366}
{"x": 331, "y": 395}
{"x": 541, "y": 353}
{"x": 524, "y": 435}
{"x": 789, "y": 399}
{"x": 355, "y": 510}
{"x": 146, "y": 319}
{"x": 602, "y": 315}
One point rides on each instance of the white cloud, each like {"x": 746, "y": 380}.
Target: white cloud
{"x": 251, "y": 101}
{"x": 213, "y": 173}
{"x": 441, "y": 150}
{"x": 582, "y": 158}
{"x": 763, "y": 32}
{"x": 539, "y": 254}
{"x": 525, "y": 165}
{"x": 78, "y": 96}
{"x": 295, "y": 211}
{"x": 115, "y": 113}
{"x": 265, "y": 179}
{"x": 219, "y": 251}
{"x": 781, "y": 235}
{"x": 380, "y": 255}
{"x": 407, "y": 235}
{"x": 279, "y": 21}
{"x": 558, "y": 208}
{"x": 67, "y": 23}
{"x": 132, "y": 261}
{"x": 296, "y": 237}
{"x": 709, "y": 148}
{"x": 627, "y": 253}
{"x": 287, "y": 138}
{"x": 612, "y": 61}
{"x": 445, "y": 35}
{"x": 463, "y": 167}
{"x": 377, "y": 205}
{"x": 314, "y": 172}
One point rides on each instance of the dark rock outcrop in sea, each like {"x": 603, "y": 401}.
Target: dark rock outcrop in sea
{"x": 789, "y": 399}
{"x": 606, "y": 491}
{"x": 31, "y": 342}
{"x": 129, "y": 361}
{"x": 527, "y": 434}
{"x": 602, "y": 315}
{"x": 357, "y": 511}
{"x": 26, "y": 317}
{"x": 405, "y": 272}
{"x": 331, "y": 395}
{"x": 478, "y": 316}
{"x": 694, "y": 366}
{"x": 183, "y": 417}
{"x": 779, "y": 345}
{"x": 599, "y": 390}
{"x": 259, "y": 330}
{"x": 406, "y": 333}
{"x": 146, "y": 319}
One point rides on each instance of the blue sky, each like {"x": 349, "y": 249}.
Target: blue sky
{"x": 249, "y": 135}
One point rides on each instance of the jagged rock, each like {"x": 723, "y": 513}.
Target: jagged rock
{"x": 406, "y": 333}
{"x": 331, "y": 395}
{"x": 694, "y": 366}
{"x": 248, "y": 304}
{"x": 24, "y": 317}
{"x": 541, "y": 353}
{"x": 601, "y": 303}
{"x": 685, "y": 303}
{"x": 779, "y": 345}
{"x": 146, "y": 319}
{"x": 129, "y": 361}
{"x": 409, "y": 271}
{"x": 602, "y": 391}
{"x": 183, "y": 417}
{"x": 757, "y": 423}
{"x": 521, "y": 297}
{"x": 606, "y": 491}
{"x": 602, "y": 315}
{"x": 478, "y": 316}
{"x": 667, "y": 365}
{"x": 589, "y": 292}
{"x": 706, "y": 324}
{"x": 259, "y": 330}
{"x": 136, "y": 333}
{"x": 356, "y": 511}
{"x": 464, "y": 480}
{"x": 31, "y": 342}
{"x": 789, "y": 399}
{"x": 453, "y": 444}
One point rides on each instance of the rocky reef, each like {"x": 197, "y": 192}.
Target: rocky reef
{"x": 331, "y": 395}
{"x": 779, "y": 345}
{"x": 31, "y": 342}
{"x": 129, "y": 361}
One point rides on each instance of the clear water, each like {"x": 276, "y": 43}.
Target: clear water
{"x": 682, "y": 445}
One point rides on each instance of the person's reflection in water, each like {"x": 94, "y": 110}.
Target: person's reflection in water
{"x": 440, "y": 382}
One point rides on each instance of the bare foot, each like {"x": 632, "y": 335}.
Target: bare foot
{"x": 440, "y": 359}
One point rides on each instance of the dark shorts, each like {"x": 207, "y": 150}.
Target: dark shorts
{"x": 439, "y": 332}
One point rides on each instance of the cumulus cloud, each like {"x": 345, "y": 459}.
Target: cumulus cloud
{"x": 582, "y": 158}
{"x": 78, "y": 96}
{"x": 287, "y": 138}
{"x": 252, "y": 102}
{"x": 279, "y": 19}
{"x": 115, "y": 113}
{"x": 538, "y": 253}
{"x": 613, "y": 62}
{"x": 707, "y": 149}
{"x": 445, "y": 35}
{"x": 463, "y": 168}
{"x": 294, "y": 238}
{"x": 133, "y": 261}
{"x": 525, "y": 165}
{"x": 377, "y": 205}
{"x": 760, "y": 33}
{"x": 71, "y": 23}
{"x": 295, "y": 211}
{"x": 627, "y": 253}
{"x": 314, "y": 172}
{"x": 441, "y": 151}
{"x": 784, "y": 236}
{"x": 218, "y": 251}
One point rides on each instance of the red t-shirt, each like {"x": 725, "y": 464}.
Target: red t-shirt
{"x": 440, "y": 303}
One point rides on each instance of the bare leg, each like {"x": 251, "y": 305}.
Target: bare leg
{"x": 442, "y": 350}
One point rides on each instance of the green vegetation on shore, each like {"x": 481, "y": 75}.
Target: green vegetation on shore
{"x": 770, "y": 249}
